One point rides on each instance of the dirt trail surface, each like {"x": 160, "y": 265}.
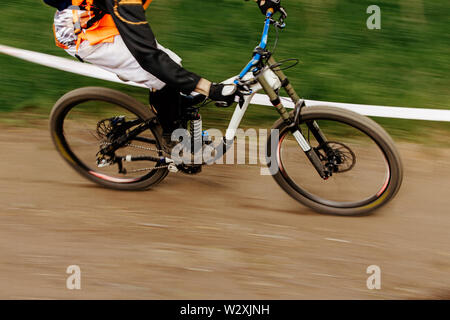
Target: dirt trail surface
{"x": 226, "y": 233}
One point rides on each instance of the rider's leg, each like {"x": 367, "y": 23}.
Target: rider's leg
{"x": 115, "y": 57}
{"x": 168, "y": 105}
{"x": 171, "y": 107}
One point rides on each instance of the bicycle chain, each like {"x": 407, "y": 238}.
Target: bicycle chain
{"x": 135, "y": 146}
{"x": 142, "y": 148}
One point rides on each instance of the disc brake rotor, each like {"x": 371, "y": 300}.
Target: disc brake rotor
{"x": 336, "y": 156}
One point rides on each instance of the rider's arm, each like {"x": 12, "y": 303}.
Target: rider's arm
{"x": 130, "y": 20}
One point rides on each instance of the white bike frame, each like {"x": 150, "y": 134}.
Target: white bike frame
{"x": 274, "y": 82}
{"x": 239, "y": 112}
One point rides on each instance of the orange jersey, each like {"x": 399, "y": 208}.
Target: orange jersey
{"x": 92, "y": 24}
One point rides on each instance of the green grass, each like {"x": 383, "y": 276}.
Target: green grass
{"x": 406, "y": 63}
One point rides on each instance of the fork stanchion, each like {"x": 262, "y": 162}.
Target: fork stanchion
{"x": 274, "y": 99}
{"x": 299, "y": 103}
{"x": 284, "y": 81}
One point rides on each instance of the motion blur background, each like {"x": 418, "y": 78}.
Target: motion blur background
{"x": 230, "y": 233}
{"x": 406, "y": 63}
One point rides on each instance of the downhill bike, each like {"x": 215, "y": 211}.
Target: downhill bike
{"x": 332, "y": 160}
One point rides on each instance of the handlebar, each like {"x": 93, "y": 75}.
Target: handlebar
{"x": 263, "y": 43}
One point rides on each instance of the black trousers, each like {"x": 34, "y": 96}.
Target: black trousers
{"x": 171, "y": 107}
{"x": 168, "y": 105}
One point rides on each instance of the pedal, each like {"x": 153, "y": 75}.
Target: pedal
{"x": 103, "y": 163}
{"x": 172, "y": 168}
{"x": 206, "y": 137}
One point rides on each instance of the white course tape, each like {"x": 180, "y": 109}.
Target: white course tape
{"x": 64, "y": 64}
{"x": 259, "y": 99}
{"x": 368, "y": 110}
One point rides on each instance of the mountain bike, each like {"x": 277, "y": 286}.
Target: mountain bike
{"x": 332, "y": 160}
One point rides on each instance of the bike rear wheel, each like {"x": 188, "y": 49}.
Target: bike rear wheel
{"x": 86, "y": 121}
{"x": 367, "y": 169}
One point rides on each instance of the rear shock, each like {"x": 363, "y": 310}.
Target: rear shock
{"x": 195, "y": 129}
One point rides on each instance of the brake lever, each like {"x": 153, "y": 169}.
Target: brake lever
{"x": 221, "y": 104}
{"x": 225, "y": 105}
{"x": 244, "y": 88}
{"x": 280, "y": 23}
{"x": 242, "y": 91}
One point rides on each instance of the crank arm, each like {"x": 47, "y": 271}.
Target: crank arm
{"x": 130, "y": 158}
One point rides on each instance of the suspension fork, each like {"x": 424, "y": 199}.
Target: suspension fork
{"x": 293, "y": 123}
{"x": 312, "y": 125}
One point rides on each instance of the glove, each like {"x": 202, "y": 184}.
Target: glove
{"x": 265, "y": 5}
{"x": 224, "y": 95}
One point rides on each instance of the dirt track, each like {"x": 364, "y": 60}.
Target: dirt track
{"x": 227, "y": 233}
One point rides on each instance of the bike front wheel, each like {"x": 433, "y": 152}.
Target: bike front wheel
{"x": 366, "y": 169}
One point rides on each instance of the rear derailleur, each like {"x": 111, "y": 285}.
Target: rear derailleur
{"x": 113, "y": 133}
